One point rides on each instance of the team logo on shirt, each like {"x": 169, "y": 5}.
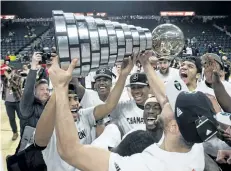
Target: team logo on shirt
{"x": 102, "y": 71}
{"x": 82, "y": 134}
{"x": 135, "y": 77}
{"x": 135, "y": 120}
{"x": 177, "y": 85}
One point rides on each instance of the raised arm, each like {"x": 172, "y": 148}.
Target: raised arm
{"x": 221, "y": 94}
{"x": 156, "y": 84}
{"x": 79, "y": 88}
{"x": 104, "y": 109}
{"x": 74, "y": 153}
{"x": 28, "y": 93}
{"x": 46, "y": 123}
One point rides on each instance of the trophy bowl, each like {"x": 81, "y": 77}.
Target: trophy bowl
{"x": 167, "y": 40}
{"x": 101, "y": 43}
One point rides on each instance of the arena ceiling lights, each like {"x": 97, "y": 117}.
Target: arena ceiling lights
{"x": 8, "y": 17}
{"x": 100, "y": 14}
{"x": 177, "y": 13}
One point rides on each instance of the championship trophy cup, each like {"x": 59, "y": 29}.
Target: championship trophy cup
{"x": 101, "y": 43}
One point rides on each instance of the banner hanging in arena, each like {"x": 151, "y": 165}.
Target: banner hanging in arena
{"x": 100, "y": 14}
{"x": 8, "y": 17}
{"x": 177, "y": 13}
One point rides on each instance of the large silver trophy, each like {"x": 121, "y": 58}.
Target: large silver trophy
{"x": 101, "y": 43}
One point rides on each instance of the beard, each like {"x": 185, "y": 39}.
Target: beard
{"x": 166, "y": 71}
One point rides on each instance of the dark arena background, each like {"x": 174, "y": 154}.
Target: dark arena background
{"x": 27, "y": 26}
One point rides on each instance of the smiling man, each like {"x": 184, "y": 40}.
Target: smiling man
{"x": 74, "y": 104}
{"x": 136, "y": 141}
{"x": 103, "y": 83}
{"x": 129, "y": 114}
{"x": 152, "y": 110}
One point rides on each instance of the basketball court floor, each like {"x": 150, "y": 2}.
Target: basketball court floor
{"x": 7, "y": 145}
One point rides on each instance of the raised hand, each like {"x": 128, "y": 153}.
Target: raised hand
{"x": 127, "y": 65}
{"x": 144, "y": 57}
{"x": 60, "y": 77}
{"x": 211, "y": 68}
{"x": 216, "y": 77}
{"x": 36, "y": 58}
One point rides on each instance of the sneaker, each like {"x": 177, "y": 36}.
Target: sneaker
{"x": 15, "y": 136}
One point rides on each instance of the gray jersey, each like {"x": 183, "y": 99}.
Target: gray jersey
{"x": 90, "y": 98}
{"x": 173, "y": 73}
{"x": 128, "y": 116}
{"x": 50, "y": 154}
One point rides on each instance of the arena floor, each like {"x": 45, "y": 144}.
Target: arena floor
{"x": 7, "y": 145}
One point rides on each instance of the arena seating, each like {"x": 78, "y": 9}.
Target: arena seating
{"x": 204, "y": 33}
{"x": 49, "y": 41}
{"x": 224, "y": 22}
{"x": 18, "y": 41}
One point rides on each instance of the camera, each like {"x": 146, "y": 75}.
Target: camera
{"x": 46, "y": 54}
{"x": 46, "y": 57}
{"x": 23, "y": 74}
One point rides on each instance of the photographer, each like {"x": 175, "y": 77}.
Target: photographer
{"x": 11, "y": 94}
{"x": 35, "y": 94}
{"x": 34, "y": 99}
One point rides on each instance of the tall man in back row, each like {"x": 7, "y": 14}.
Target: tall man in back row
{"x": 166, "y": 72}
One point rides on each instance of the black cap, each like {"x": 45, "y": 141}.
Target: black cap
{"x": 103, "y": 72}
{"x": 189, "y": 108}
{"x": 196, "y": 61}
{"x": 138, "y": 79}
{"x": 135, "y": 142}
